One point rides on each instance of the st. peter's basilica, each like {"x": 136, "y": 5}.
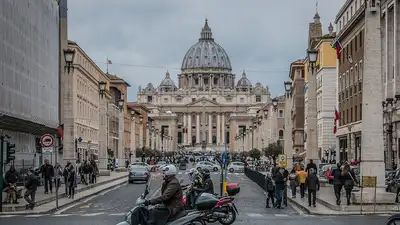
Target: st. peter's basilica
{"x": 207, "y": 108}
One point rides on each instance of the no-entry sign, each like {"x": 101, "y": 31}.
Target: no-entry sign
{"x": 47, "y": 140}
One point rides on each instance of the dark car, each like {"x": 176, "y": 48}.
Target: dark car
{"x": 138, "y": 173}
{"x": 182, "y": 165}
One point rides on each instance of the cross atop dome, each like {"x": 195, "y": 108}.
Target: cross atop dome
{"x": 206, "y": 33}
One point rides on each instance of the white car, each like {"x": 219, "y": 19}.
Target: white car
{"x": 236, "y": 167}
{"x": 141, "y": 164}
{"x": 207, "y": 165}
{"x": 161, "y": 164}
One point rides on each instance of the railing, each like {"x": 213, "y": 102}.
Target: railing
{"x": 256, "y": 177}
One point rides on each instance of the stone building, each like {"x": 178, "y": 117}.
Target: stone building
{"x": 207, "y": 107}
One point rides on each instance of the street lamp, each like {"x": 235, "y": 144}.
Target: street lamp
{"x": 288, "y": 87}
{"x": 312, "y": 55}
{"x": 102, "y": 87}
{"x": 69, "y": 55}
{"x": 275, "y": 103}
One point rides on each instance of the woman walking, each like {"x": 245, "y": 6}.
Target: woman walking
{"x": 293, "y": 182}
{"x": 349, "y": 181}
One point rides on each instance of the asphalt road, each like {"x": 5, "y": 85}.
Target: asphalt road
{"x": 110, "y": 207}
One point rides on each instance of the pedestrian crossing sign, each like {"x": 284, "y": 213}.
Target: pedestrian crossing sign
{"x": 282, "y": 160}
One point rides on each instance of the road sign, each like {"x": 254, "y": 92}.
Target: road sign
{"x": 282, "y": 160}
{"x": 224, "y": 156}
{"x": 368, "y": 181}
{"x": 47, "y": 140}
{"x": 47, "y": 150}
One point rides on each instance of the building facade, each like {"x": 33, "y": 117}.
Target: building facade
{"x": 29, "y": 81}
{"x": 203, "y": 110}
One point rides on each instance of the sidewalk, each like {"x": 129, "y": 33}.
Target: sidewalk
{"x": 326, "y": 204}
{"x": 46, "y": 202}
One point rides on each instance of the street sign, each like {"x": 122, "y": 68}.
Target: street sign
{"x": 47, "y": 149}
{"x": 368, "y": 181}
{"x": 224, "y": 156}
{"x": 47, "y": 140}
{"x": 282, "y": 160}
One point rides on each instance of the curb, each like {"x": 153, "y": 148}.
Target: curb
{"x": 51, "y": 199}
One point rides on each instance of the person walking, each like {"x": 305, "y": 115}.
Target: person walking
{"x": 280, "y": 181}
{"x": 311, "y": 165}
{"x": 47, "y": 171}
{"x": 349, "y": 181}
{"x": 65, "y": 175}
{"x": 312, "y": 185}
{"x": 302, "y": 175}
{"x": 270, "y": 188}
{"x": 337, "y": 183}
{"x": 58, "y": 175}
{"x": 293, "y": 182}
{"x": 11, "y": 178}
{"x": 72, "y": 182}
{"x": 31, "y": 185}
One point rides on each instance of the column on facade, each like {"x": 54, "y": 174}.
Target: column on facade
{"x": 103, "y": 159}
{"x": 312, "y": 141}
{"x": 140, "y": 135}
{"x": 218, "y": 129}
{"x": 209, "y": 128}
{"x": 189, "y": 131}
{"x": 152, "y": 140}
{"x": 69, "y": 123}
{"x": 133, "y": 137}
{"x": 211, "y": 81}
{"x": 350, "y": 143}
{"x": 121, "y": 133}
{"x": 185, "y": 125}
{"x": 223, "y": 129}
{"x": 197, "y": 128}
{"x": 171, "y": 137}
{"x": 147, "y": 136}
{"x": 157, "y": 143}
{"x": 288, "y": 143}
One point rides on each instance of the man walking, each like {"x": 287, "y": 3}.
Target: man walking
{"x": 312, "y": 184}
{"x": 31, "y": 187}
{"x": 302, "y": 175}
{"x": 47, "y": 174}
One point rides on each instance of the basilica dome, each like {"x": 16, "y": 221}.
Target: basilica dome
{"x": 206, "y": 53}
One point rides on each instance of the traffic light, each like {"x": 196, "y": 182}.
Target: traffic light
{"x": 10, "y": 152}
{"x": 38, "y": 146}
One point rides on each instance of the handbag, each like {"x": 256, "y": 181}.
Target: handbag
{"x": 349, "y": 184}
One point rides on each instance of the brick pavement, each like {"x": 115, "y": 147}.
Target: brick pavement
{"x": 42, "y": 198}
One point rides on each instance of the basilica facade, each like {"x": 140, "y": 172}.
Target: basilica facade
{"x": 207, "y": 108}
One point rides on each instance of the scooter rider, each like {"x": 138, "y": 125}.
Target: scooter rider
{"x": 171, "y": 198}
{"x": 208, "y": 186}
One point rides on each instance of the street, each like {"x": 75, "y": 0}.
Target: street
{"x": 111, "y": 206}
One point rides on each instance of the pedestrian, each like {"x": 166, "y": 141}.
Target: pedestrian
{"x": 280, "y": 181}
{"x": 337, "y": 183}
{"x": 302, "y": 175}
{"x": 293, "y": 182}
{"x": 31, "y": 185}
{"x": 312, "y": 184}
{"x": 349, "y": 181}
{"x": 270, "y": 188}
{"x": 65, "y": 175}
{"x": 11, "y": 178}
{"x": 72, "y": 182}
{"x": 47, "y": 171}
{"x": 58, "y": 175}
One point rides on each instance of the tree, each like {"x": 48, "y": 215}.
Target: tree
{"x": 273, "y": 149}
{"x": 255, "y": 153}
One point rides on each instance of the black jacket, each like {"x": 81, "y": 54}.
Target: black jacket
{"x": 47, "y": 171}
{"x": 313, "y": 166}
{"x": 11, "y": 176}
{"x": 32, "y": 183}
{"x": 269, "y": 184}
{"x": 208, "y": 187}
{"x": 312, "y": 182}
{"x": 337, "y": 177}
{"x": 279, "y": 181}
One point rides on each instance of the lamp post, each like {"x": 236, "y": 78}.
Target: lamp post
{"x": 312, "y": 144}
{"x": 103, "y": 135}
{"x": 288, "y": 142}
{"x": 274, "y": 118}
{"x": 389, "y": 108}
{"x": 133, "y": 133}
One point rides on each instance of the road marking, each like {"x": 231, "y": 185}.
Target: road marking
{"x": 117, "y": 214}
{"x": 254, "y": 215}
{"x": 86, "y": 206}
{"x": 93, "y": 214}
{"x": 35, "y": 215}
{"x": 236, "y": 173}
{"x": 281, "y": 215}
{"x": 63, "y": 215}
{"x": 7, "y": 216}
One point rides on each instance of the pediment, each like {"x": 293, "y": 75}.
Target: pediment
{"x": 203, "y": 102}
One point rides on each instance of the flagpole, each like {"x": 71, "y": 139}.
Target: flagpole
{"x": 107, "y": 64}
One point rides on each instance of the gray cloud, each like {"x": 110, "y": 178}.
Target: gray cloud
{"x": 261, "y": 36}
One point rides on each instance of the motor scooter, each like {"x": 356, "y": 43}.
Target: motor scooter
{"x": 140, "y": 214}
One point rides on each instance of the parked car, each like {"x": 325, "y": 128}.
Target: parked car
{"x": 236, "y": 167}
{"x": 138, "y": 173}
{"x": 161, "y": 164}
{"x": 207, "y": 165}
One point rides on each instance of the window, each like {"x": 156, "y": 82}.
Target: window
{"x": 205, "y": 81}
{"x": 241, "y": 100}
{"x": 193, "y": 99}
{"x": 214, "y": 99}
{"x": 165, "y": 100}
{"x": 258, "y": 98}
{"x": 149, "y": 98}
{"x": 281, "y": 113}
{"x": 355, "y": 113}
{"x": 361, "y": 111}
{"x": 280, "y": 134}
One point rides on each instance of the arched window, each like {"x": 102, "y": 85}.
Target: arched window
{"x": 280, "y": 134}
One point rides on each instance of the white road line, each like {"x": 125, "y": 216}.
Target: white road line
{"x": 281, "y": 215}
{"x": 7, "y": 216}
{"x": 117, "y": 214}
{"x": 236, "y": 173}
{"x": 63, "y": 215}
{"x": 35, "y": 215}
{"x": 93, "y": 214}
{"x": 254, "y": 215}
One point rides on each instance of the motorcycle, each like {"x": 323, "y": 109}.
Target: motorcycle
{"x": 140, "y": 214}
{"x": 394, "y": 219}
{"x": 214, "y": 208}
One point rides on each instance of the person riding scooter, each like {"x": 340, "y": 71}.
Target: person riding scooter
{"x": 171, "y": 198}
{"x": 208, "y": 186}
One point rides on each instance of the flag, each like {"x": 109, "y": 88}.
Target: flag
{"x": 337, "y": 117}
{"x": 60, "y": 130}
{"x": 109, "y": 61}
{"x": 336, "y": 45}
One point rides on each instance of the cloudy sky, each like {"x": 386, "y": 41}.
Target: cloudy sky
{"x": 145, "y": 38}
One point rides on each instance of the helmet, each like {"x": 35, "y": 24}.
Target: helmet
{"x": 206, "y": 173}
{"x": 192, "y": 172}
{"x": 169, "y": 171}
